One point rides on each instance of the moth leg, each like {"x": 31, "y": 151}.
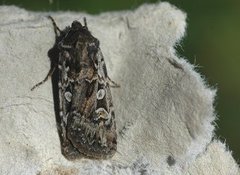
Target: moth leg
{"x": 56, "y": 28}
{"x": 46, "y": 78}
{"x": 113, "y": 84}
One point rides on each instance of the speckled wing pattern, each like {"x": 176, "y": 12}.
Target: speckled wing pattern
{"x": 86, "y": 110}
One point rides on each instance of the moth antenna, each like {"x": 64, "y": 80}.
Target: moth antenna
{"x": 85, "y": 22}
{"x": 56, "y": 28}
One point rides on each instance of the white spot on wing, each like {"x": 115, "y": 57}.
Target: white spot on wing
{"x": 102, "y": 113}
{"x": 68, "y": 96}
{"x": 100, "y": 94}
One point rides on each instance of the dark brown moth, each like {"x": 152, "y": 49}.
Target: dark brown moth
{"x": 87, "y": 120}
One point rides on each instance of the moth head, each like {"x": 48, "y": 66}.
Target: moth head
{"x": 76, "y": 25}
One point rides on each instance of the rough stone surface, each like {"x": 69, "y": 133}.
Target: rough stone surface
{"x": 164, "y": 109}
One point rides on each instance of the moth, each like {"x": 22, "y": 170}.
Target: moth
{"x": 87, "y": 120}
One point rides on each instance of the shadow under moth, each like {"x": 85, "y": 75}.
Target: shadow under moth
{"x": 87, "y": 121}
